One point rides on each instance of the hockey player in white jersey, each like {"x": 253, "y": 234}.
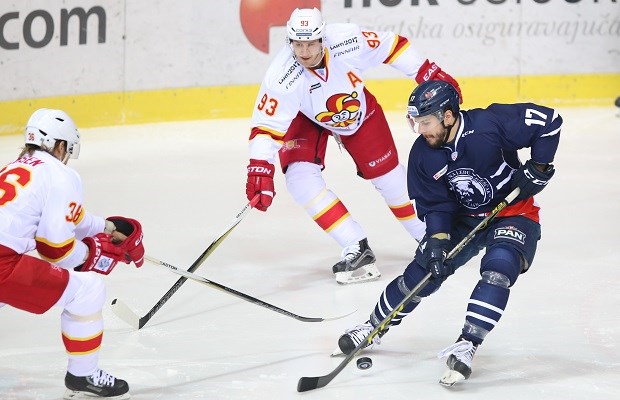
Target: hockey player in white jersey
{"x": 313, "y": 89}
{"x": 41, "y": 208}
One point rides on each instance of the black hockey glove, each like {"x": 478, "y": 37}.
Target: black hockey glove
{"x": 434, "y": 256}
{"x": 530, "y": 179}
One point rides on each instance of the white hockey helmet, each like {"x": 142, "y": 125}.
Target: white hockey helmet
{"x": 46, "y": 126}
{"x": 305, "y": 24}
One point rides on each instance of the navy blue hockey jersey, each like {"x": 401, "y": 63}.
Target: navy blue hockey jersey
{"x": 471, "y": 174}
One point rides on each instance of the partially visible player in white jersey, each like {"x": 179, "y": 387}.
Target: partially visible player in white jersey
{"x": 41, "y": 208}
{"x": 313, "y": 89}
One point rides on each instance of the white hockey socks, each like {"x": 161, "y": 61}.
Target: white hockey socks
{"x": 82, "y": 321}
{"x": 393, "y": 188}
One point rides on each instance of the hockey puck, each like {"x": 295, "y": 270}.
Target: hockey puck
{"x": 364, "y": 363}
{"x": 617, "y": 103}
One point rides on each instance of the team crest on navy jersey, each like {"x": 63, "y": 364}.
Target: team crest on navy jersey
{"x": 471, "y": 190}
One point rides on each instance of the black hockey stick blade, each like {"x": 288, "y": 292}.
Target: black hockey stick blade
{"x": 310, "y": 383}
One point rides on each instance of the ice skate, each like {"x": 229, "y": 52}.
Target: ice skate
{"x": 460, "y": 356}
{"x": 354, "y": 336}
{"x": 98, "y": 385}
{"x": 357, "y": 264}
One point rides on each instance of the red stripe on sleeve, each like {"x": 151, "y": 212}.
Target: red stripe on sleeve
{"x": 400, "y": 45}
{"x": 54, "y": 252}
{"x": 275, "y": 135}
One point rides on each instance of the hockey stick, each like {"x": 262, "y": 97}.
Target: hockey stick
{"x": 309, "y": 383}
{"x": 243, "y": 296}
{"x": 124, "y": 312}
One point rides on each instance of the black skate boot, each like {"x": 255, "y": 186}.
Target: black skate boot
{"x": 99, "y": 384}
{"x": 354, "y": 336}
{"x": 357, "y": 264}
{"x": 460, "y": 356}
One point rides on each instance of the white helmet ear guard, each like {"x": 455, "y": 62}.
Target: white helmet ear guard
{"x": 46, "y": 126}
{"x": 305, "y": 24}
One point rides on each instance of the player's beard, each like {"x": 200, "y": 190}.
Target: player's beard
{"x": 441, "y": 139}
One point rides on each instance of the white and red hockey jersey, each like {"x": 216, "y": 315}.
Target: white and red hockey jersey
{"x": 41, "y": 208}
{"x": 332, "y": 96}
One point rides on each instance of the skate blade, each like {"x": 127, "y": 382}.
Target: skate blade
{"x": 77, "y": 395}
{"x": 450, "y": 377}
{"x": 366, "y": 273}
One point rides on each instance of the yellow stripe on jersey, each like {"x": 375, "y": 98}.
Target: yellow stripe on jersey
{"x": 80, "y": 217}
{"x": 272, "y": 132}
{"x": 54, "y": 252}
{"x": 400, "y": 44}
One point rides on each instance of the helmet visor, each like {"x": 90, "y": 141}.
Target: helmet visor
{"x": 427, "y": 123}
{"x": 73, "y": 149}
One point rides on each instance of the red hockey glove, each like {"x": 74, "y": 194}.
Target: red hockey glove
{"x": 132, "y": 245}
{"x": 431, "y": 72}
{"x": 260, "y": 181}
{"x": 102, "y": 254}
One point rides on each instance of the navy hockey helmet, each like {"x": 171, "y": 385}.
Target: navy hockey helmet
{"x": 433, "y": 97}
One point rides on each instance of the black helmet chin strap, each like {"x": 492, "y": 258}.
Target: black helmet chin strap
{"x": 448, "y": 129}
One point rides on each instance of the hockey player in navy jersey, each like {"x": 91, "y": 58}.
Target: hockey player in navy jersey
{"x": 463, "y": 164}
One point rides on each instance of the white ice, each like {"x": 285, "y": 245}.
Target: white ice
{"x": 186, "y": 181}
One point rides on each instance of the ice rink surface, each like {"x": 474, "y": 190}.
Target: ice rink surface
{"x": 559, "y": 337}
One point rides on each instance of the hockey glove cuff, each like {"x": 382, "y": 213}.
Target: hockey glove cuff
{"x": 530, "y": 179}
{"x": 103, "y": 255}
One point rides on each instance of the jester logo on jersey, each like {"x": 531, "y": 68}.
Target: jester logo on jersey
{"x": 342, "y": 110}
{"x": 471, "y": 190}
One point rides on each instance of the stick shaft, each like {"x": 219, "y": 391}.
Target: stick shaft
{"x": 236, "y": 293}
{"x": 196, "y": 264}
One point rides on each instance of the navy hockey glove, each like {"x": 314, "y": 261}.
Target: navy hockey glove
{"x": 434, "y": 256}
{"x": 531, "y": 179}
